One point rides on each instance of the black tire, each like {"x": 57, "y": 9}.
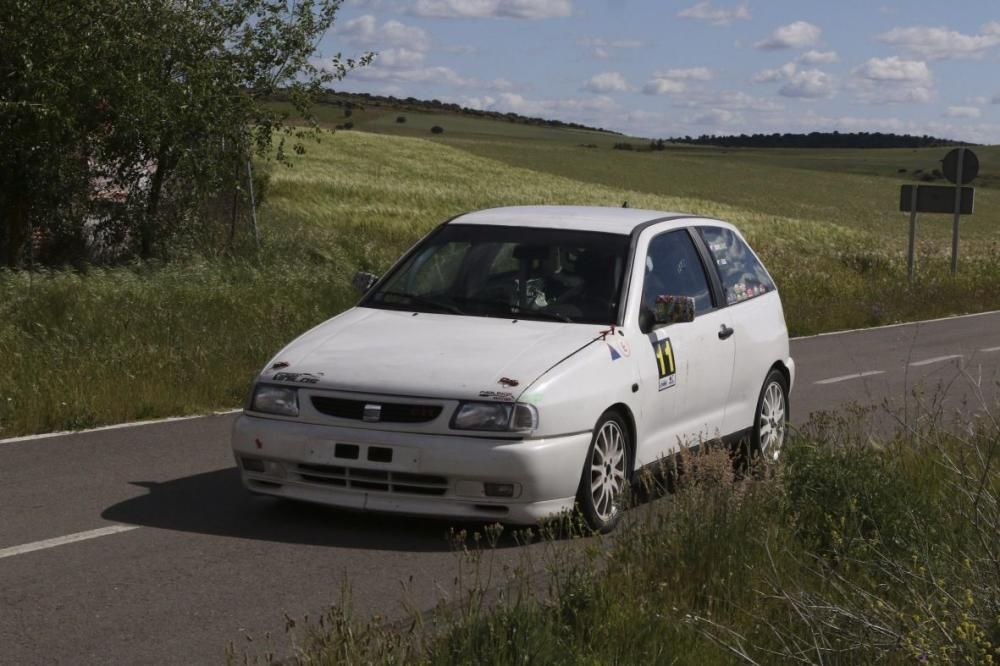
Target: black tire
{"x": 770, "y": 425}
{"x": 604, "y": 481}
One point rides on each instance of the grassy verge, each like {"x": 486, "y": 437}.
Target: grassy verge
{"x": 105, "y": 346}
{"x": 848, "y": 553}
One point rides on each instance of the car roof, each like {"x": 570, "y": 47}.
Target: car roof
{"x": 583, "y": 218}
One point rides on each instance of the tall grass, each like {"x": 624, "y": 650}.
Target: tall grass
{"x": 102, "y": 346}
{"x": 848, "y": 553}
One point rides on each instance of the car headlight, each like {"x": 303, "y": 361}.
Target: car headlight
{"x": 276, "y": 400}
{"x": 495, "y": 416}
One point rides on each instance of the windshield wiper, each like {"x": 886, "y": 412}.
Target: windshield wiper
{"x": 528, "y": 314}
{"x": 416, "y": 299}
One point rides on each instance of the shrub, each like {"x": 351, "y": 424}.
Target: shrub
{"x": 624, "y": 146}
{"x": 400, "y": 119}
{"x": 437, "y": 129}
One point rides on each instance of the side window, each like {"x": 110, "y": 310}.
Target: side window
{"x": 742, "y": 275}
{"x": 673, "y": 267}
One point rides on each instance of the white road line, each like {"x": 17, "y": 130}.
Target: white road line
{"x": 898, "y": 325}
{"x": 117, "y": 426}
{"x": 844, "y": 378}
{"x": 69, "y": 538}
{"x": 936, "y": 359}
{"x": 990, "y": 349}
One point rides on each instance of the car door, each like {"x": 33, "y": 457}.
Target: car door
{"x": 684, "y": 369}
{"x": 752, "y": 302}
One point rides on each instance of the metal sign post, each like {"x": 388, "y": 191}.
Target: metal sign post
{"x": 958, "y": 212}
{"x": 911, "y": 254}
{"x": 961, "y": 166}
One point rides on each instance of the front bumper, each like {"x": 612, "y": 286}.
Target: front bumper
{"x": 409, "y": 473}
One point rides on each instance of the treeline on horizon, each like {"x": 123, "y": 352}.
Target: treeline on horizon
{"x": 348, "y": 100}
{"x": 819, "y": 140}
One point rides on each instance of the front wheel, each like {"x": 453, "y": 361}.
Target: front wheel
{"x": 605, "y": 474}
{"x": 771, "y": 422}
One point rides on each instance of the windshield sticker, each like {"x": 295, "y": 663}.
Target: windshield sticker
{"x": 502, "y": 396}
{"x": 614, "y": 353}
{"x": 298, "y": 377}
{"x": 624, "y": 346}
{"x": 666, "y": 368}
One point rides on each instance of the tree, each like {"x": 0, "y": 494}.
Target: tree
{"x": 162, "y": 99}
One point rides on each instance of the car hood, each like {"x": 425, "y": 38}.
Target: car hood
{"x": 427, "y": 354}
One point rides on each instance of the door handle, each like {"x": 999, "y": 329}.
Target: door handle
{"x": 725, "y": 332}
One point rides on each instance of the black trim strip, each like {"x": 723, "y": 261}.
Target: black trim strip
{"x": 711, "y": 269}
{"x": 630, "y": 264}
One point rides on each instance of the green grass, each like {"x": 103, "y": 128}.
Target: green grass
{"x": 847, "y": 553}
{"x": 382, "y": 120}
{"x": 84, "y": 349}
{"x": 851, "y": 188}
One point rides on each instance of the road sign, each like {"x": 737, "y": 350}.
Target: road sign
{"x": 969, "y": 163}
{"x": 935, "y": 199}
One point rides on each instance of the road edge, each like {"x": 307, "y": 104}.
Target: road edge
{"x": 174, "y": 419}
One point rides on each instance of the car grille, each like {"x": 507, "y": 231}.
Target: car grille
{"x": 392, "y": 412}
{"x": 373, "y": 479}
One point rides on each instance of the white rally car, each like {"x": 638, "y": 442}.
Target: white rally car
{"x": 518, "y": 362}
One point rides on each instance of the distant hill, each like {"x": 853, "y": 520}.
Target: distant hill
{"x": 820, "y": 140}
{"x": 349, "y": 100}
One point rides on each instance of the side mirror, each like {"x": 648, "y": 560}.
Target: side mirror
{"x": 673, "y": 309}
{"x": 364, "y": 281}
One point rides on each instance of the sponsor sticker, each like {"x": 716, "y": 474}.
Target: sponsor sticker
{"x": 503, "y": 396}
{"x": 666, "y": 367}
{"x": 297, "y": 377}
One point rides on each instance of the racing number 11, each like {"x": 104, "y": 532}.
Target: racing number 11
{"x": 665, "y": 358}
{"x": 665, "y": 366}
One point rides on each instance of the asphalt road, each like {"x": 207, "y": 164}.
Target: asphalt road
{"x": 138, "y": 545}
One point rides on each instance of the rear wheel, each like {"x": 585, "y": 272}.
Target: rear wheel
{"x": 771, "y": 422}
{"x": 605, "y": 473}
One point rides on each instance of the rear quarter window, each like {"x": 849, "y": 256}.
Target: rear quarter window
{"x": 743, "y": 277}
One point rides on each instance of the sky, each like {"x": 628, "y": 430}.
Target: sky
{"x": 663, "y": 68}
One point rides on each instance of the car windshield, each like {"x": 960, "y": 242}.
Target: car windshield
{"x": 511, "y": 272}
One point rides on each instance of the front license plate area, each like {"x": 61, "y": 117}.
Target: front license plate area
{"x": 349, "y": 454}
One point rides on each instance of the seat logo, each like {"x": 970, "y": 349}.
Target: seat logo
{"x": 372, "y": 413}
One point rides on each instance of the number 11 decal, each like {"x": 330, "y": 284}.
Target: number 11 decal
{"x": 666, "y": 367}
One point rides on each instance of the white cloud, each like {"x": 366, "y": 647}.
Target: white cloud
{"x": 783, "y": 73}
{"x": 796, "y": 35}
{"x": 716, "y": 118}
{"x": 729, "y": 100}
{"x": 809, "y": 84}
{"x": 818, "y": 58}
{"x": 663, "y": 87}
{"x": 365, "y": 31}
{"x": 803, "y": 83}
{"x": 962, "y": 112}
{"x": 704, "y": 11}
{"x": 515, "y": 9}
{"x": 686, "y": 74}
{"x": 401, "y": 73}
{"x": 399, "y": 58}
{"x": 594, "y": 110}
{"x": 672, "y": 81}
{"x": 605, "y": 48}
{"x": 937, "y": 43}
{"x": 893, "y": 80}
{"x": 606, "y": 82}
{"x": 895, "y": 69}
